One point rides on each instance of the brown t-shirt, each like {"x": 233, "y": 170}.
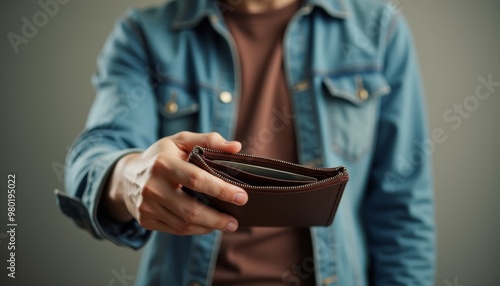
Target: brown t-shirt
{"x": 264, "y": 256}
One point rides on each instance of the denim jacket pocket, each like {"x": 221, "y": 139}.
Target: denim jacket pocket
{"x": 352, "y": 104}
{"x": 178, "y": 108}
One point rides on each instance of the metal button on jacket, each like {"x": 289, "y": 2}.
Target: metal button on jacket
{"x": 363, "y": 94}
{"x": 226, "y": 97}
{"x": 171, "y": 106}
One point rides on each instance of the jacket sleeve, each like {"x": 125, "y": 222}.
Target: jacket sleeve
{"x": 123, "y": 119}
{"x": 399, "y": 207}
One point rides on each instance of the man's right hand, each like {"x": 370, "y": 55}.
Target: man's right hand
{"x": 147, "y": 186}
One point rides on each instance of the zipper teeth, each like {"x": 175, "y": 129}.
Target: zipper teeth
{"x": 195, "y": 154}
{"x": 270, "y": 159}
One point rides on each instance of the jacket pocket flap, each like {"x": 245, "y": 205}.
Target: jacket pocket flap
{"x": 176, "y": 102}
{"x": 358, "y": 88}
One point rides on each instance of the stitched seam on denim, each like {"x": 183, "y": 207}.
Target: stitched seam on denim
{"x": 188, "y": 87}
{"x": 349, "y": 70}
{"x": 139, "y": 32}
{"x": 391, "y": 29}
{"x": 348, "y": 155}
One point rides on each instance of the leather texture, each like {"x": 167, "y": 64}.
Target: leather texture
{"x": 280, "y": 194}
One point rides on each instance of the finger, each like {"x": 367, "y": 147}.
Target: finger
{"x": 197, "y": 179}
{"x": 187, "y": 140}
{"x": 158, "y": 225}
{"x": 178, "y": 209}
{"x": 190, "y": 214}
{"x": 154, "y": 216}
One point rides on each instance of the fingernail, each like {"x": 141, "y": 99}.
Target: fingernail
{"x": 230, "y": 142}
{"x": 240, "y": 199}
{"x": 231, "y": 226}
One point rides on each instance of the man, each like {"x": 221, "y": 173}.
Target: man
{"x": 319, "y": 82}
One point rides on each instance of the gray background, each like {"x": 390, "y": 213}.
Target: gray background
{"x": 46, "y": 94}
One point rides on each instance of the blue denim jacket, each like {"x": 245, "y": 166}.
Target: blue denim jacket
{"x": 357, "y": 101}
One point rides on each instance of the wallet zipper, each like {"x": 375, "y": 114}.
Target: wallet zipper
{"x": 336, "y": 177}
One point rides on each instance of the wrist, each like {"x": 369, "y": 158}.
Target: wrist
{"x": 116, "y": 186}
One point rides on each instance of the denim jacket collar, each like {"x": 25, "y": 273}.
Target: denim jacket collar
{"x": 191, "y": 12}
{"x": 334, "y": 8}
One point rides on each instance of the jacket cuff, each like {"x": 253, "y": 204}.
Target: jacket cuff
{"x": 129, "y": 234}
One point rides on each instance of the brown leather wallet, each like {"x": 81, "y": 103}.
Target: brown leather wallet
{"x": 280, "y": 193}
